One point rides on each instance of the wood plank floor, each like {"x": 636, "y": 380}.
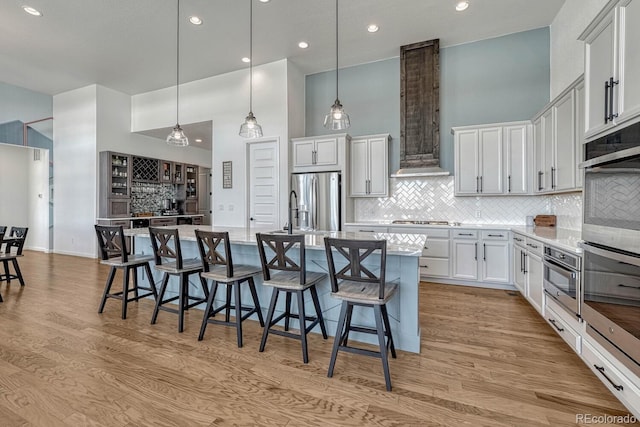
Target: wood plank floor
{"x": 487, "y": 359}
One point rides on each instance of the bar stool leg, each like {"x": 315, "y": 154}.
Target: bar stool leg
{"x": 227, "y": 313}
{"x": 336, "y": 341}
{"x": 387, "y": 326}
{"x": 135, "y": 282}
{"x": 303, "y": 326}
{"x": 383, "y": 347}
{"x": 152, "y": 284}
{"x": 348, "y": 326}
{"x": 183, "y": 300}
{"x": 316, "y": 304}
{"x": 125, "y": 291}
{"x": 6, "y": 270}
{"x": 107, "y": 288}
{"x": 238, "y": 303}
{"x": 163, "y": 288}
{"x": 207, "y": 313}
{"x": 256, "y": 302}
{"x": 272, "y": 308}
{"x": 287, "y": 311}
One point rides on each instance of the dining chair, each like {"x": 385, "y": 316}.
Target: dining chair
{"x": 13, "y": 245}
{"x": 168, "y": 259}
{"x": 218, "y": 266}
{"x": 113, "y": 252}
{"x": 284, "y": 274}
{"x": 354, "y": 281}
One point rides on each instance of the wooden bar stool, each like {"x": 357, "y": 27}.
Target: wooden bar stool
{"x": 166, "y": 247}
{"x": 13, "y": 245}
{"x": 113, "y": 252}
{"x": 218, "y": 266}
{"x": 290, "y": 278}
{"x": 356, "y": 284}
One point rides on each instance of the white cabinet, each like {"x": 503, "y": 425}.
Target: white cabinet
{"x": 317, "y": 153}
{"x": 434, "y": 261}
{"x": 369, "y": 166}
{"x": 612, "y": 89}
{"x": 481, "y": 256}
{"x": 555, "y": 141}
{"x": 527, "y": 269}
{"x": 580, "y": 111}
{"x": 491, "y": 159}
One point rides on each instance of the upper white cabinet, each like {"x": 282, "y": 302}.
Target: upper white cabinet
{"x": 491, "y": 159}
{"x": 555, "y": 140}
{"x": 320, "y": 153}
{"x": 612, "y": 66}
{"x": 369, "y": 166}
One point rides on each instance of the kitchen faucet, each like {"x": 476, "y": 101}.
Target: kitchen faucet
{"x": 291, "y": 208}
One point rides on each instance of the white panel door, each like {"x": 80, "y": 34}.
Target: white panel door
{"x": 465, "y": 259}
{"x": 519, "y": 276}
{"x": 579, "y": 102}
{"x": 565, "y": 157}
{"x": 359, "y": 166}
{"x": 535, "y": 289}
{"x": 378, "y": 167}
{"x": 516, "y": 171}
{"x": 547, "y": 138}
{"x": 495, "y": 261}
{"x": 538, "y": 156}
{"x": 326, "y": 151}
{"x": 466, "y": 156}
{"x": 490, "y": 162}
{"x": 303, "y": 153}
{"x": 263, "y": 185}
{"x": 599, "y": 60}
{"x": 630, "y": 65}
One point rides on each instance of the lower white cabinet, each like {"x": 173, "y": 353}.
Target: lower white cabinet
{"x": 481, "y": 255}
{"x": 527, "y": 269}
{"x": 434, "y": 261}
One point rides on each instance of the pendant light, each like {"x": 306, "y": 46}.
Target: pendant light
{"x": 337, "y": 118}
{"x": 177, "y": 136}
{"x": 250, "y": 128}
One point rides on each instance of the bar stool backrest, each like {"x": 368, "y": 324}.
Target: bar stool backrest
{"x": 166, "y": 245}
{"x": 111, "y": 242}
{"x": 16, "y": 239}
{"x": 354, "y": 252}
{"x": 279, "y": 245}
{"x": 209, "y": 243}
{"x": 3, "y": 229}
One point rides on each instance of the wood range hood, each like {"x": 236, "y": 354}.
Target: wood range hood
{"x": 420, "y": 110}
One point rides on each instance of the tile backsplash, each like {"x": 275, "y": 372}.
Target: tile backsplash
{"x": 432, "y": 198}
{"x": 149, "y": 197}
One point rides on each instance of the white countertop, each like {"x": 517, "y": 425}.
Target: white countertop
{"x": 560, "y": 237}
{"x": 397, "y": 243}
{"x": 148, "y": 217}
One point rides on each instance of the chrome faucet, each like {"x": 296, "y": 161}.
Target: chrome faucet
{"x": 291, "y": 208}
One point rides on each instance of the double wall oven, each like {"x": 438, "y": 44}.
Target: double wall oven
{"x": 611, "y": 235}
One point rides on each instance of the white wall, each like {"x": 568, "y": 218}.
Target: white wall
{"x": 567, "y": 53}
{"x": 225, "y": 100}
{"x": 17, "y": 103}
{"x": 74, "y": 174}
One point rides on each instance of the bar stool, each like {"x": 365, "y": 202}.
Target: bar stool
{"x": 219, "y": 268}
{"x": 290, "y": 278}
{"x": 356, "y": 284}
{"x": 166, "y": 246}
{"x": 16, "y": 239}
{"x": 113, "y": 252}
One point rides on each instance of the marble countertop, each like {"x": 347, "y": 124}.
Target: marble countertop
{"x": 397, "y": 243}
{"x": 427, "y": 226}
{"x": 561, "y": 238}
{"x": 148, "y": 217}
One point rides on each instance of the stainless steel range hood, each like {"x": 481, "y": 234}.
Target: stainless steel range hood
{"x": 420, "y": 172}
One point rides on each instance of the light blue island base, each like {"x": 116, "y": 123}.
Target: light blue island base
{"x": 403, "y": 253}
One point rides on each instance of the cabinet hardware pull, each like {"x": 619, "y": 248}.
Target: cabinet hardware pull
{"x": 606, "y": 101}
{"x": 477, "y": 184}
{"x": 555, "y": 325}
{"x": 366, "y": 231}
{"x": 533, "y": 246}
{"x": 426, "y": 247}
{"x": 465, "y": 234}
{"x": 622, "y": 285}
{"x": 525, "y": 263}
{"x": 521, "y": 262}
{"x": 484, "y": 251}
{"x": 481, "y": 184}
{"x": 611, "y": 113}
{"x": 496, "y": 235}
{"x": 540, "y": 187}
{"x": 517, "y": 239}
{"x": 601, "y": 370}
{"x": 475, "y": 256}
{"x": 509, "y": 184}
{"x": 553, "y": 180}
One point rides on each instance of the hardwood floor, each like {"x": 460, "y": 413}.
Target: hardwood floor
{"x": 487, "y": 359}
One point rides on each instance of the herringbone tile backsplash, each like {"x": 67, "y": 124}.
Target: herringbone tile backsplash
{"x": 432, "y": 198}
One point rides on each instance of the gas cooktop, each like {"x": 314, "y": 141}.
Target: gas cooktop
{"x": 420, "y": 222}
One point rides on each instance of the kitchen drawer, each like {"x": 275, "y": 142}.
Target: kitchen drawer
{"x": 196, "y": 220}
{"x": 618, "y": 285}
{"x": 567, "y": 317}
{"x": 495, "y": 235}
{"x": 620, "y": 385}
{"x": 365, "y": 228}
{"x": 534, "y": 246}
{"x": 519, "y": 239}
{"x": 563, "y": 329}
{"x": 436, "y": 248}
{"x": 465, "y": 234}
{"x": 434, "y": 267}
{"x": 437, "y": 233}
{"x": 125, "y": 223}
{"x": 160, "y": 222}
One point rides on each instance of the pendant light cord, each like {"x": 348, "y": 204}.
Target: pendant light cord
{"x": 336, "y": 49}
{"x": 250, "y": 55}
{"x": 178, "y": 64}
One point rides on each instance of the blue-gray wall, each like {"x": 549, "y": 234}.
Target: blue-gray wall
{"x": 497, "y": 80}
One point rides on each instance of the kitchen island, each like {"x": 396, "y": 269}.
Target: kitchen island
{"x": 403, "y": 252}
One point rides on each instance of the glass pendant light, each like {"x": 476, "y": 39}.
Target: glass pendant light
{"x": 250, "y": 128}
{"x": 337, "y": 119}
{"x": 177, "y": 136}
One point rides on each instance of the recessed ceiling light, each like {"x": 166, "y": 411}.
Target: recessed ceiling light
{"x": 372, "y": 28}
{"x": 198, "y": 140}
{"x": 303, "y": 45}
{"x": 31, "y": 11}
{"x": 195, "y": 20}
{"x": 246, "y": 59}
{"x": 462, "y": 5}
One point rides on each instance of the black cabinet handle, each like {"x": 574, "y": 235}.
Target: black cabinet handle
{"x": 553, "y": 178}
{"x": 622, "y": 285}
{"x": 498, "y": 235}
{"x": 477, "y": 184}
{"x": 555, "y": 325}
{"x": 521, "y": 262}
{"x": 509, "y": 184}
{"x": 611, "y": 83}
{"x": 465, "y": 234}
{"x": 540, "y": 187}
{"x": 525, "y": 263}
{"x": 517, "y": 239}
{"x": 484, "y": 251}
{"x": 606, "y": 101}
{"x": 533, "y": 246}
{"x": 601, "y": 370}
{"x": 476, "y": 254}
{"x": 481, "y": 184}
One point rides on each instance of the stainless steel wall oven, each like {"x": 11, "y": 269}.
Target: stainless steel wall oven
{"x": 611, "y": 233}
{"x": 562, "y": 278}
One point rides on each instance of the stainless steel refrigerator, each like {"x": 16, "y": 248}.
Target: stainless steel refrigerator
{"x": 318, "y": 201}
